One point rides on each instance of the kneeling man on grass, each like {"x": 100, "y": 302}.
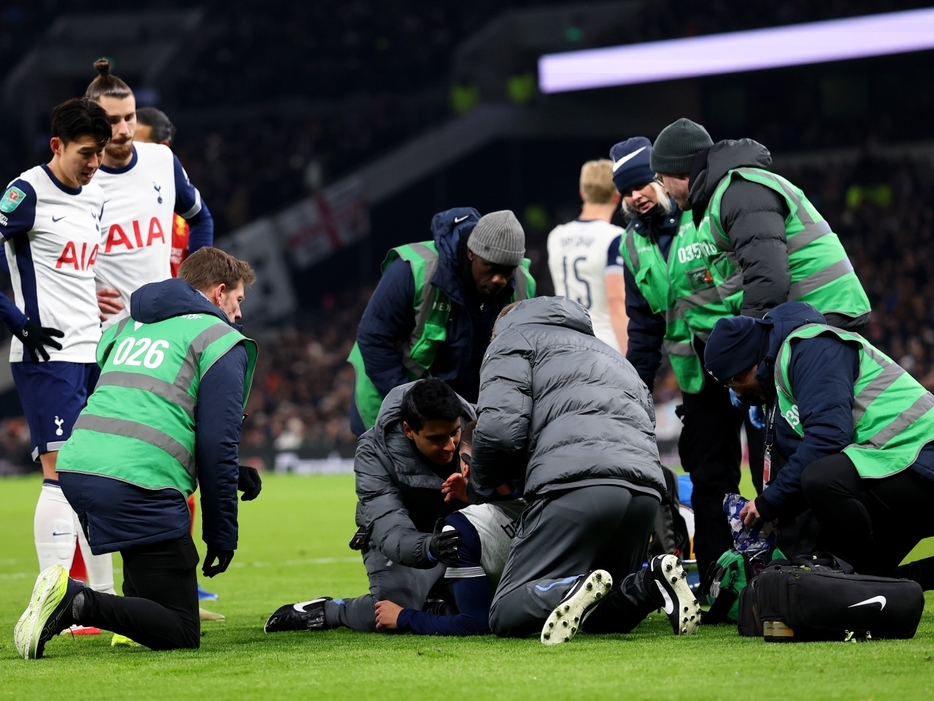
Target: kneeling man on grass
{"x": 575, "y": 414}
{"x": 165, "y": 416}
{"x": 400, "y": 466}
{"x": 485, "y": 530}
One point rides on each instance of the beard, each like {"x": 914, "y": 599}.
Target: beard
{"x": 120, "y": 152}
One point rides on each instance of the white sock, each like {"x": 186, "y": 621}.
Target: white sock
{"x": 54, "y": 528}
{"x": 100, "y": 567}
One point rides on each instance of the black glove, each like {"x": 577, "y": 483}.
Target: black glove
{"x": 443, "y": 544}
{"x": 34, "y": 337}
{"x": 223, "y": 558}
{"x": 249, "y": 483}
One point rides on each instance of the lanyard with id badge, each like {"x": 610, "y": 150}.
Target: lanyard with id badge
{"x": 769, "y": 438}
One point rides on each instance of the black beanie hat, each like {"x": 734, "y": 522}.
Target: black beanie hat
{"x": 676, "y": 146}
{"x": 734, "y": 346}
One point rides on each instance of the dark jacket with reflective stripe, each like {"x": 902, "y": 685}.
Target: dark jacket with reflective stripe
{"x": 399, "y": 492}
{"x": 128, "y": 516}
{"x": 647, "y": 329}
{"x": 823, "y": 372}
{"x": 560, "y": 409}
{"x": 390, "y": 316}
{"x": 753, "y": 217}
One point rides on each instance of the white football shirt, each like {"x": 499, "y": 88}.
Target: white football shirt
{"x": 51, "y": 236}
{"x": 581, "y": 254}
{"x": 136, "y": 232}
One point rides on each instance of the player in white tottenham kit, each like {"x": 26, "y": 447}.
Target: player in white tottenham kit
{"x": 144, "y": 186}
{"x": 50, "y": 223}
{"x": 584, "y": 258}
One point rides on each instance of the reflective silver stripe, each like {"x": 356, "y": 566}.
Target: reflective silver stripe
{"x": 186, "y": 373}
{"x": 522, "y": 285}
{"x": 680, "y": 348}
{"x": 811, "y": 233}
{"x": 424, "y": 307}
{"x": 921, "y": 406}
{"x": 815, "y": 281}
{"x": 117, "y": 332}
{"x": 141, "y": 432}
{"x": 702, "y": 298}
{"x": 881, "y": 382}
{"x": 195, "y": 208}
{"x": 633, "y": 251}
{"x": 161, "y": 388}
{"x": 464, "y": 572}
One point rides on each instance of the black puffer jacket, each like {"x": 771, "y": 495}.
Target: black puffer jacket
{"x": 562, "y": 405}
{"x": 753, "y": 217}
{"x": 398, "y": 492}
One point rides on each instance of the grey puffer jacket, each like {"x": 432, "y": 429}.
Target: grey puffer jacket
{"x": 562, "y": 405}
{"x": 398, "y": 494}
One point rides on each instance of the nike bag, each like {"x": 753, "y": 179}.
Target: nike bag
{"x": 792, "y": 603}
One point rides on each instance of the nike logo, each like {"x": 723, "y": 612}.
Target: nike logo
{"x": 55, "y": 534}
{"x": 624, "y": 159}
{"x": 300, "y": 607}
{"x": 874, "y": 600}
{"x": 59, "y": 218}
{"x": 458, "y": 220}
{"x": 669, "y": 604}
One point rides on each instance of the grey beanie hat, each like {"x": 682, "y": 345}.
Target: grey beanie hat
{"x": 498, "y": 238}
{"x": 676, "y": 146}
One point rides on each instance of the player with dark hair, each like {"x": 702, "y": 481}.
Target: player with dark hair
{"x": 154, "y": 127}
{"x": 485, "y": 529}
{"x": 165, "y": 416}
{"x": 400, "y": 467}
{"x": 50, "y": 223}
{"x": 146, "y": 187}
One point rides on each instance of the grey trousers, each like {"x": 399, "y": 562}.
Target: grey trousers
{"x": 564, "y": 536}
{"x": 406, "y": 586}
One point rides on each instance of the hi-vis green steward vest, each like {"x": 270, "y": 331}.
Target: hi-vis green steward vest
{"x": 654, "y": 276}
{"x": 821, "y": 273}
{"x": 139, "y": 424}
{"x": 432, "y": 312}
{"x": 893, "y": 415}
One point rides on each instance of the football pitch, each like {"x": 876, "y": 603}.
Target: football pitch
{"x": 293, "y": 547}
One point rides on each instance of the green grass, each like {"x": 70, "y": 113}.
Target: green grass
{"x": 294, "y": 546}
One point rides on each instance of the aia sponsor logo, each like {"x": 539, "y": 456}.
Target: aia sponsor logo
{"x": 134, "y": 237}
{"x": 77, "y": 258}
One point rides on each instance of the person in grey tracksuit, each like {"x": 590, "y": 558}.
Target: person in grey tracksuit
{"x": 567, "y": 417}
{"x": 399, "y": 473}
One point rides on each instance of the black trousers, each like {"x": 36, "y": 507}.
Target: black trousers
{"x": 159, "y": 608}
{"x": 871, "y": 523}
{"x": 711, "y": 453}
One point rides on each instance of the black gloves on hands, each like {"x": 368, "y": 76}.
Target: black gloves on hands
{"x": 443, "y": 544}
{"x": 222, "y": 559}
{"x": 249, "y": 483}
{"x": 35, "y": 337}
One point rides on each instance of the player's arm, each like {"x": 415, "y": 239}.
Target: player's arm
{"x": 469, "y": 584}
{"x": 392, "y": 531}
{"x": 218, "y": 422}
{"x": 500, "y": 440}
{"x": 616, "y": 294}
{"x": 389, "y": 317}
{"x": 753, "y": 217}
{"x": 190, "y": 207}
{"x": 17, "y": 218}
{"x": 822, "y": 371}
